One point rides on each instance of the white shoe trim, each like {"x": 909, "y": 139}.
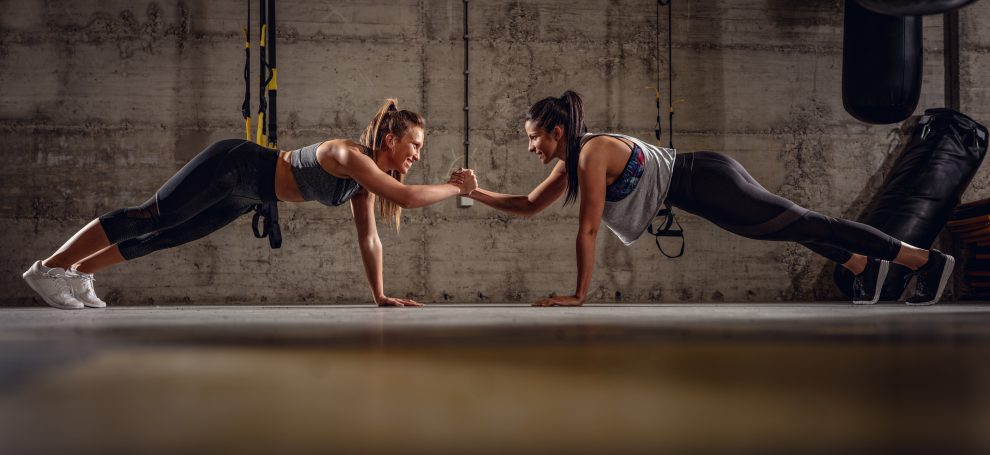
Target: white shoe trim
{"x": 950, "y": 263}
{"x": 90, "y": 304}
{"x": 881, "y": 277}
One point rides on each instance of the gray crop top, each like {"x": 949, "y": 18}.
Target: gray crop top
{"x": 315, "y": 183}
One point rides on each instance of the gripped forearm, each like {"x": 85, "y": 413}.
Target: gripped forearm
{"x": 512, "y": 203}
{"x": 423, "y": 195}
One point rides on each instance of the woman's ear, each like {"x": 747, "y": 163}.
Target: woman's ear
{"x": 558, "y": 133}
{"x": 389, "y": 140}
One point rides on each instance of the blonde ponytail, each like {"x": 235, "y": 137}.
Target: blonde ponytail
{"x": 389, "y": 119}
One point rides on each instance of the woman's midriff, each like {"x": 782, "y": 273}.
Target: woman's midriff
{"x": 285, "y": 183}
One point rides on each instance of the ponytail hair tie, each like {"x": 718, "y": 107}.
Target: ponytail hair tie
{"x": 392, "y": 108}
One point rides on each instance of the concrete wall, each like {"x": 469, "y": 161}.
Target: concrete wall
{"x": 101, "y": 101}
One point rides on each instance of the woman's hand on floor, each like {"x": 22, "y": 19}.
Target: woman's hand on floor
{"x": 564, "y": 300}
{"x": 392, "y": 301}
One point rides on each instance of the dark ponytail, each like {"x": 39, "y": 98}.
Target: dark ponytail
{"x": 568, "y": 113}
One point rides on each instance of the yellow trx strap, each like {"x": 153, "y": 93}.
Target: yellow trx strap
{"x": 273, "y": 83}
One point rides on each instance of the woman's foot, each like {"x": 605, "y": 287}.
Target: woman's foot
{"x": 82, "y": 288}
{"x": 867, "y": 286}
{"x": 931, "y": 278}
{"x": 52, "y": 286}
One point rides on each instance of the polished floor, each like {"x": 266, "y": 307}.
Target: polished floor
{"x": 707, "y": 378}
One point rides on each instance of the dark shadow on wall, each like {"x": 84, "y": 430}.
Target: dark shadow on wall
{"x": 793, "y": 16}
{"x": 191, "y": 133}
{"x": 698, "y": 30}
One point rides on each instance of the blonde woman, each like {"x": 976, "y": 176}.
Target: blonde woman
{"x": 230, "y": 177}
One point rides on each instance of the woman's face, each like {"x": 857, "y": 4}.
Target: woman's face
{"x": 546, "y": 145}
{"x": 405, "y": 150}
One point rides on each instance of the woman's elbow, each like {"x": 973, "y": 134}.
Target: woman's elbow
{"x": 412, "y": 203}
{"x": 371, "y": 243}
{"x": 530, "y": 211}
{"x": 588, "y": 231}
{"x": 404, "y": 201}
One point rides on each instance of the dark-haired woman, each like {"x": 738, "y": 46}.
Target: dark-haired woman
{"x": 228, "y": 178}
{"x": 625, "y": 181}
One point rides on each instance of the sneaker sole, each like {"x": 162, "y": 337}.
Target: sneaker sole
{"x": 881, "y": 277}
{"x": 45, "y": 299}
{"x": 94, "y": 305}
{"x": 950, "y": 263}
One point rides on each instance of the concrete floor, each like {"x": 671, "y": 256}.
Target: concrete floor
{"x": 726, "y": 378}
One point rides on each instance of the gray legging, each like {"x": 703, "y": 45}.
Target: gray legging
{"x": 223, "y": 182}
{"x": 717, "y": 188}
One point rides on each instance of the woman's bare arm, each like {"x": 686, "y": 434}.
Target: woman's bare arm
{"x": 591, "y": 171}
{"x": 548, "y": 191}
{"x": 361, "y": 168}
{"x": 363, "y": 209}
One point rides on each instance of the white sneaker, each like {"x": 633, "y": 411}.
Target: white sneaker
{"x": 82, "y": 288}
{"x": 52, "y": 286}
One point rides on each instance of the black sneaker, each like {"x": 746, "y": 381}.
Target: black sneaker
{"x": 867, "y": 285}
{"x": 931, "y": 278}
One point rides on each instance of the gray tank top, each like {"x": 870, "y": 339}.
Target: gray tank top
{"x": 629, "y": 217}
{"x": 315, "y": 183}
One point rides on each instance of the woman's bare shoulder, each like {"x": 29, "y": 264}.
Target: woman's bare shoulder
{"x": 340, "y": 149}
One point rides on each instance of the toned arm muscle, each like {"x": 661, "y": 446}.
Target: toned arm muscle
{"x": 548, "y": 191}
{"x": 361, "y": 168}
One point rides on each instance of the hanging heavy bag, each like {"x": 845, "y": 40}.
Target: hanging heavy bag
{"x": 881, "y": 65}
{"x": 923, "y": 188}
{"x": 912, "y": 7}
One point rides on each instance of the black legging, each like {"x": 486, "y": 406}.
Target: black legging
{"x": 216, "y": 187}
{"x": 717, "y": 188}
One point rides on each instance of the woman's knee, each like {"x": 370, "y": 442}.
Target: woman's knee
{"x": 130, "y": 222}
{"x": 812, "y": 227}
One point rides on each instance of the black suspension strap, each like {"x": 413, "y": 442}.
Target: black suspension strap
{"x": 263, "y": 77}
{"x": 246, "y": 106}
{"x": 657, "y": 128}
{"x": 667, "y": 214}
{"x": 665, "y": 230}
{"x": 264, "y": 223}
{"x": 670, "y": 73}
{"x": 266, "y": 215}
{"x": 467, "y": 74}
{"x": 273, "y": 78}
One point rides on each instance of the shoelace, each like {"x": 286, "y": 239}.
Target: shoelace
{"x": 86, "y": 277}
{"x": 87, "y": 282}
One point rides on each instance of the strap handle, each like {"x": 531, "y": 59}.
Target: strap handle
{"x": 925, "y": 122}
{"x": 667, "y": 213}
{"x": 979, "y": 137}
{"x": 269, "y": 225}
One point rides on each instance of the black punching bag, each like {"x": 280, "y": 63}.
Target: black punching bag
{"x": 881, "y": 65}
{"x": 913, "y": 7}
{"x": 924, "y": 187}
